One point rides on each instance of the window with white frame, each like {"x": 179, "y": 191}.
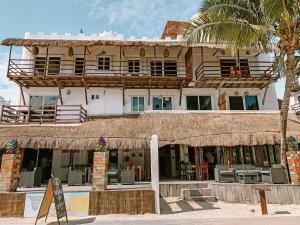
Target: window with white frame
{"x": 134, "y": 66}
{"x": 104, "y": 63}
{"x": 137, "y": 103}
{"x": 162, "y": 103}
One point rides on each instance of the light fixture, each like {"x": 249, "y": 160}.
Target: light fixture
{"x": 68, "y": 92}
{"x": 166, "y": 53}
{"x": 246, "y": 93}
{"x": 35, "y": 50}
{"x": 236, "y": 93}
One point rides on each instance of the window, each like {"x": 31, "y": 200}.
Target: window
{"x": 54, "y": 66}
{"x": 162, "y": 103}
{"x": 205, "y": 102}
{"x": 42, "y": 105}
{"x": 170, "y": 68}
{"x": 133, "y": 66}
{"x": 226, "y": 64}
{"x": 137, "y": 104}
{"x": 192, "y": 103}
{"x": 236, "y": 103}
{"x": 79, "y": 66}
{"x": 104, "y": 63}
{"x": 198, "y": 103}
{"x": 40, "y": 65}
{"x": 95, "y": 97}
{"x": 156, "y": 68}
{"x": 251, "y": 102}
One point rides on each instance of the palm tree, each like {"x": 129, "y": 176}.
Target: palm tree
{"x": 246, "y": 24}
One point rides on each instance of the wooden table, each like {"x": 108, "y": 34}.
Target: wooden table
{"x": 262, "y": 195}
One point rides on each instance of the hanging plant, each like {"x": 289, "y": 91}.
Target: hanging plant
{"x": 101, "y": 145}
{"x": 292, "y": 144}
{"x": 13, "y": 147}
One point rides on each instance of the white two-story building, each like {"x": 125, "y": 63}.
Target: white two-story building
{"x": 69, "y": 79}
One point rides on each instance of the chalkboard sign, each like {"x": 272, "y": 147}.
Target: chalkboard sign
{"x": 53, "y": 190}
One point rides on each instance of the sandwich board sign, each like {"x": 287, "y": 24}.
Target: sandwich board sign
{"x": 53, "y": 191}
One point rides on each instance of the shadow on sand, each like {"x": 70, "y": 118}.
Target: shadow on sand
{"x": 73, "y": 222}
{"x": 184, "y": 206}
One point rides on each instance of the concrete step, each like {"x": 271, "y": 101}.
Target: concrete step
{"x": 202, "y": 198}
{"x": 186, "y": 193}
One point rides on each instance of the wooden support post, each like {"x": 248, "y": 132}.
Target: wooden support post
{"x": 197, "y": 161}
{"x": 154, "y": 64}
{"x": 120, "y": 60}
{"x": 86, "y": 97}
{"x": 59, "y": 93}
{"x": 263, "y": 201}
{"x": 239, "y": 61}
{"x": 123, "y": 91}
{"x": 149, "y": 90}
{"x": 9, "y": 58}
{"x": 84, "y": 61}
{"x": 180, "y": 93}
{"x": 22, "y": 94}
{"x": 46, "y": 61}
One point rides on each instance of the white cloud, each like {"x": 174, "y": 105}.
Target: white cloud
{"x": 8, "y": 89}
{"x": 140, "y": 17}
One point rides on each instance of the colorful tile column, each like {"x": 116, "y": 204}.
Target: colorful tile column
{"x": 100, "y": 164}
{"x": 9, "y": 173}
{"x": 293, "y": 158}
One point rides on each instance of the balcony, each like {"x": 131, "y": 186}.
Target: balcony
{"x": 47, "y": 114}
{"x": 55, "y": 72}
{"x": 232, "y": 74}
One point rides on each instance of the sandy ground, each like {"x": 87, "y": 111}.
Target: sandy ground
{"x": 174, "y": 209}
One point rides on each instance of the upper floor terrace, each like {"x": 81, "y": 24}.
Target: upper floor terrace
{"x": 151, "y": 64}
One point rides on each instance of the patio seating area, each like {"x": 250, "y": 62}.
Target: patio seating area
{"x": 250, "y": 174}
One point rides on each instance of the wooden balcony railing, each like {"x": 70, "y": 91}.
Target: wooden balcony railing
{"x": 252, "y": 69}
{"x": 295, "y": 107}
{"x": 92, "y": 68}
{"x": 17, "y": 114}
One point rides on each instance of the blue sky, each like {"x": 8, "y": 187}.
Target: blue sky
{"x": 130, "y": 17}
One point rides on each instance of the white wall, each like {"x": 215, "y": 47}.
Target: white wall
{"x": 111, "y": 99}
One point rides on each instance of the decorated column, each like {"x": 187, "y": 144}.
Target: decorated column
{"x": 100, "y": 164}
{"x": 10, "y": 167}
{"x": 293, "y": 159}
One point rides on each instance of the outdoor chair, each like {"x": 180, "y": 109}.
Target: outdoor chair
{"x": 30, "y": 178}
{"x": 224, "y": 174}
{"x": 75, "y": 177}
{"x": 275, "y": 175}
{"x": 127, "y": 177}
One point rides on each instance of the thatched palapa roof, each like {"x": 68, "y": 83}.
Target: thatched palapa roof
{"x": 90, "y": 43}
{"x": 193, "y": 129}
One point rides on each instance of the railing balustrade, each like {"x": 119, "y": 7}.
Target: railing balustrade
{"x": 252, "y": 69}
{"x": 42, "y": 67}
{"x": 18, "y": 114}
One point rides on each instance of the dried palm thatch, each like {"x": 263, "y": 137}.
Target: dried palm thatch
{"x": 193, "y": 129}
{"x": 90, "y": 43}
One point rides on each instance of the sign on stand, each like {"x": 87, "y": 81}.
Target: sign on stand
{"x": 54, "y": 190}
